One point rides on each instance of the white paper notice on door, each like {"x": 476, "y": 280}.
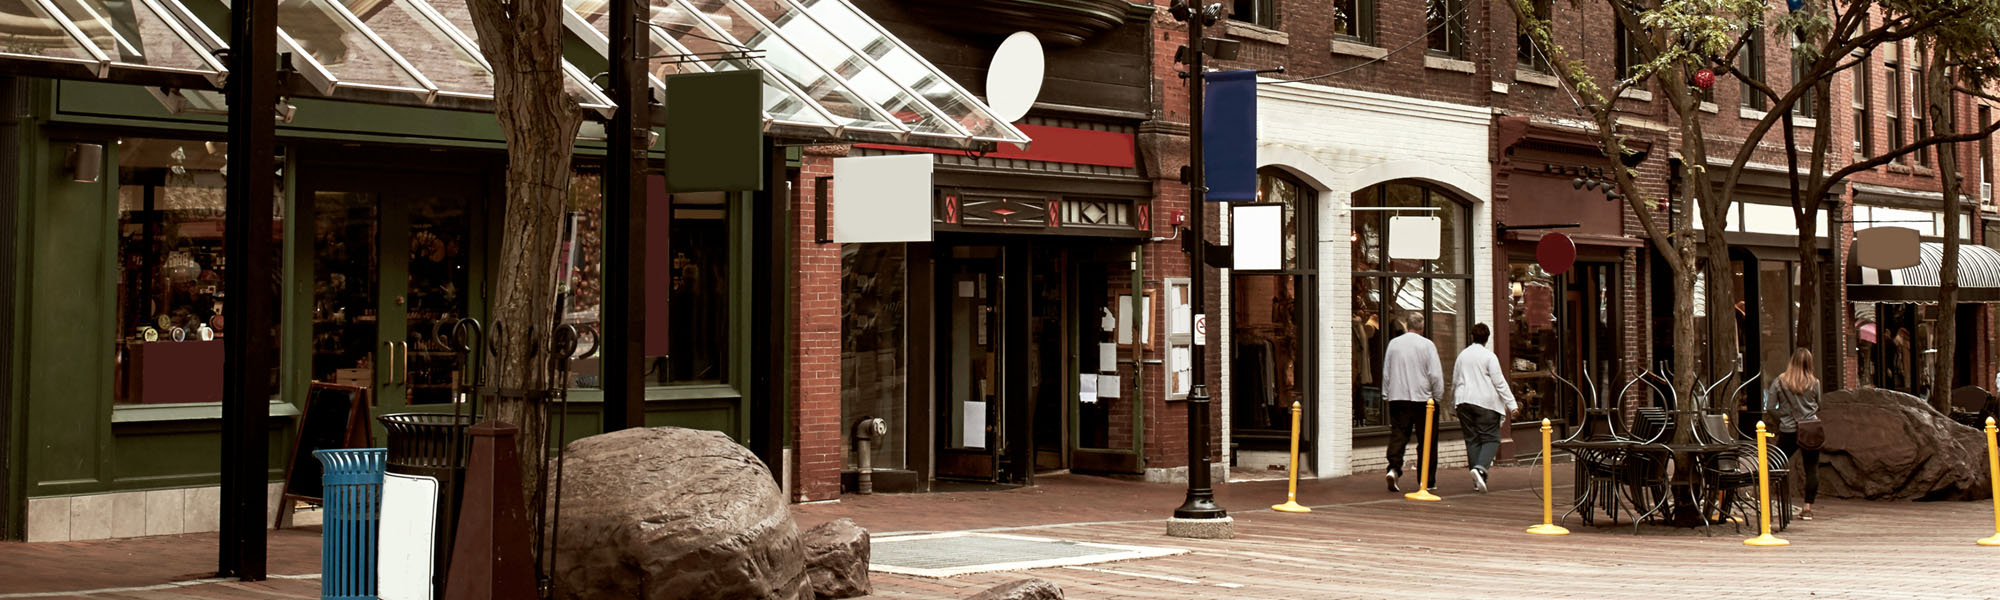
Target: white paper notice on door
{"x": 1107, "y": 357}
{"x": 975, "y": 425}
{"x": 1107, "y": 386}
{"x": 1086, "y": 389}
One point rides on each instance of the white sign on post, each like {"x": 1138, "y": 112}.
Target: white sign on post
{"x": 1415, "y": 238}
{"x": 409, "y": 524}
{"x": 1257, "y": 234}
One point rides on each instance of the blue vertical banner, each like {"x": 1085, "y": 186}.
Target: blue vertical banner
{"x": 1229, "y": 136}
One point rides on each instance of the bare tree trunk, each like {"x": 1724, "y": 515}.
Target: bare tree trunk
{"x": 1714, "y": 206}
{"x": 1942, "y": 123}
{"x": 523, "y": 41}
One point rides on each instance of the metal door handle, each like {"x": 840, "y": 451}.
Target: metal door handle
{"x": 405, "y": 380}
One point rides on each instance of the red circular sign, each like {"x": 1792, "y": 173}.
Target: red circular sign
{"x": 1556, "y": 253}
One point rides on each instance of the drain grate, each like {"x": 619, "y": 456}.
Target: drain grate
{"x": 959, "y": 553}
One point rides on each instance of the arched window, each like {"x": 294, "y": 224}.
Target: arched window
{"x": 1271, "y": 315}
{"x": 1435, "y": 295}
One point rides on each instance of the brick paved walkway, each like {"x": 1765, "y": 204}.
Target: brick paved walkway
{"x": 1360, "y": 542}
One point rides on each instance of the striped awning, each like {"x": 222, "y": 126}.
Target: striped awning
{"x": 1978, "y": 277}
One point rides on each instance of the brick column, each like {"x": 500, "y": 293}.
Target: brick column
{"x": 815, "y": 347}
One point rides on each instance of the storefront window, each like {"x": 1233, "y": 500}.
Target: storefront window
{"x": 1434, "y": 296}
{"x": 874, "y": 372}
{"x": 170, "y": 298}
{"x": 1533, "y": 345}
{"x": 687, "y": 336}
{"x": 1270, "y": 312}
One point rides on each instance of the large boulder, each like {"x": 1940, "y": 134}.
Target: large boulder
{"x": 837, "y": 559}
{"x": 1883, "y": 444}
{"x": 664, "y": 513}
{"x": 1025, "y": 589}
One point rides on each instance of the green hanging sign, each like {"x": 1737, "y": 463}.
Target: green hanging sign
{"x": 715, "y": 131}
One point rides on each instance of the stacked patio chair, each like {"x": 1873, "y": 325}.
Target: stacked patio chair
{"x": 1734, "y": 475}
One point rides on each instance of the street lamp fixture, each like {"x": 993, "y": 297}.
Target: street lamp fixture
{"x": 1198, "y": 516}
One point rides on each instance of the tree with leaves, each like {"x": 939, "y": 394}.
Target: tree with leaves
{"x": 1673, "y": 41}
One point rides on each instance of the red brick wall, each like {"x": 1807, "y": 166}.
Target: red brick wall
{"x": 815, "y": 347}
{"x": 1164, "y": 143}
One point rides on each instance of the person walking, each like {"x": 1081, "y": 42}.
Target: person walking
{"x": 1794, "y": 398}
{"x": 1411, "y": 375}
{"x": 1485, "y": 404}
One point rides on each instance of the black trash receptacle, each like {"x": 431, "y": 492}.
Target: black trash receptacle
{"x": 424, "y": 444}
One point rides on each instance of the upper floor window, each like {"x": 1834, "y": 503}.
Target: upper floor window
{"x": 1262, "y": 13}
{"x": 1920, "y": 107}
{"x": 1864, "y": 109}
{"x": 1354, "y": 20}
{"x": 1750, "y": 62}
{"x": 1628, "y": 51}
{"x": 1807, "y": 104}
{"x": 1530, "y": 54}
{"x": 1892, "y": 67}
{"x": 1446, "y": 22}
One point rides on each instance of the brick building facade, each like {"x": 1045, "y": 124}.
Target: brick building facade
{"x": 1383, "y": 110}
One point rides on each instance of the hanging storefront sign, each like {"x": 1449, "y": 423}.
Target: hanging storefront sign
{"x": 1415, "y": 238}
{"x": 1229, "y": 136}
{"x": 1256, "y": 232}
{"x": 1014, "y": 78}
{"x": 1886, "y": 248}
{"x": 882, "y": 198}
{"x": 715, "y": 131}
{"x": 1556, "y": 253}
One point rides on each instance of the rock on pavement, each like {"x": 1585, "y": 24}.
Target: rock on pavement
{"x": 837, "y": 559}
{"x": 1026, "y": 589}
{"x": 670, "y": 513}
{"x": 1883, "y": 444}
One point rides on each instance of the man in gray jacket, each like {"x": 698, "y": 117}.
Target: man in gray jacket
{"x": 1485, "y": 404}
{"x": 1411, "y": 375}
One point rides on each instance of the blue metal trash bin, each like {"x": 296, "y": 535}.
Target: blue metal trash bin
{"x": 352, "y": 526}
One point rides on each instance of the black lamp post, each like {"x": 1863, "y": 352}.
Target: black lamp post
{"x": 1198, "y": 516}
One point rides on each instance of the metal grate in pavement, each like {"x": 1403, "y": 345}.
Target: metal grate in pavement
{"x": 961, "y": 552}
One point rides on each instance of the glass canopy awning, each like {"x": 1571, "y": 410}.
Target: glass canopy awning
{"x": 830, "y": 72}
{"x": 828, "y": 68}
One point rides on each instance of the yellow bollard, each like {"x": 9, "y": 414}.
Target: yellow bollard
{"x": 1291, "y": 504}
{"x": 1548, "y": 526}
{"x": 1423, "y": 492}
{"x": 1993, "y": 468}
{"x": 1764, "y": 491}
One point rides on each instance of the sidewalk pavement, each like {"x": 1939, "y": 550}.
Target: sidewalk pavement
{"x": 1359, "y": 542}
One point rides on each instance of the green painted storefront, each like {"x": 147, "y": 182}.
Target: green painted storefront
{"x": 66, "y": 435}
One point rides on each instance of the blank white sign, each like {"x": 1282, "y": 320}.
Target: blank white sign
{"x": 882, "y": 199}
{"x": 1415, "y": 238}
{"x": 1257, "y": 231}
{"x": 409, "y": 522}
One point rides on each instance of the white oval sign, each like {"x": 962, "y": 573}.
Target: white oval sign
{"x": 1014, "y": 79}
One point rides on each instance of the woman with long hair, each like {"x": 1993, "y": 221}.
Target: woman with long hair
{"x": 1794, "y": 398}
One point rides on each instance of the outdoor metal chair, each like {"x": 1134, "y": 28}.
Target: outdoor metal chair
{"x": 1734, "y": 476}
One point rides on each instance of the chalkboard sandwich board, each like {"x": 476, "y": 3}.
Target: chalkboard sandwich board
{"x": 335, "y": 416}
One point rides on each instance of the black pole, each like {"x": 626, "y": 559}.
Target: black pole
{"x": 248, "y": 339}
{"x": 624, "y": 304}
{"x": 1200, "y": 503}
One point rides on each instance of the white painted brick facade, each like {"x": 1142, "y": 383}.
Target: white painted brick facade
{"x": 1338, "y": 141}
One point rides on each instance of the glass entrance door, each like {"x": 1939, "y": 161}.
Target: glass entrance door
{"x": 971, "y": 349}
{"x": 1562, "y": 325}
{"x": 395, "y": 264}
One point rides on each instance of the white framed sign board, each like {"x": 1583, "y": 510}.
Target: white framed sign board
{"x": 409, "y": 526}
